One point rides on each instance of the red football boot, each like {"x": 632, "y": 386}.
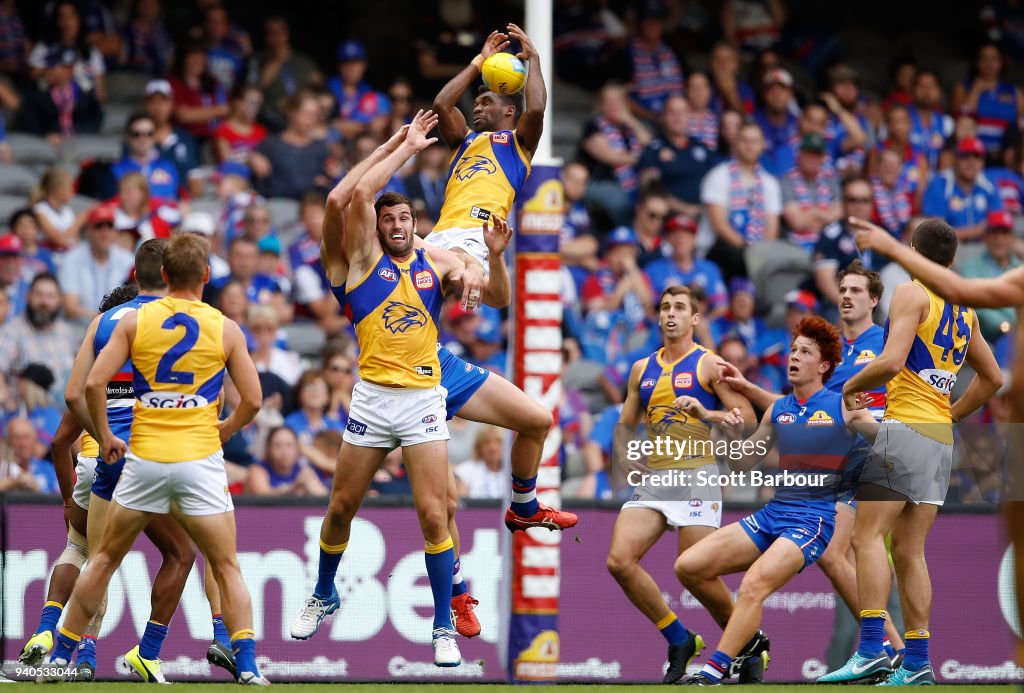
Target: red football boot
{"x": 463, "y": 618}
{"x": 544, "y": 517}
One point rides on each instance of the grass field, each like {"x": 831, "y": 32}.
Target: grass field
{"x": 133, "y": 687}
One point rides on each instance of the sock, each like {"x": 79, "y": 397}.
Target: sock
{"x": 458, "y": 584}
{"x": 65, "y": 646}
{"x": 889, "y": 649}
{"x": 152, "y": 640}
{"x": 220, "y": 631}
{"x": 524, "y": 496}
{"x": 917, "y": 650}
{"x": 243, "y": 644}
{"x": 51, "y": 614}
{"x": 440, "y": 559}
{"x": 872, "y": 632}
{"x": 718, "y": 666}
{"x": 330, "y": 558}
{"x": 673, "y": 631}
{"x": 87, "y": 651}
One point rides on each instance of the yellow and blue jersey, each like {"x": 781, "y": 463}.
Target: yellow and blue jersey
{"x": 919, "y": 394}
{"x": 178, "y": 364}
{"x": 661, "y": 383}
{"x": 395, "y": 308}
{"x": 484, "y": 175}
{"x": 90, "y": 448}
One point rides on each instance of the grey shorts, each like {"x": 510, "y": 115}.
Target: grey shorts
{"x": 908, "y": 463}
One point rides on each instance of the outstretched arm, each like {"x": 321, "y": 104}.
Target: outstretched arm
{"x": 531, "y": 123}
{"x": 446, "y": 104}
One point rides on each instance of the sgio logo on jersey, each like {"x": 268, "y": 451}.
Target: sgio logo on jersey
{"x": 172, "y": 400}
{"x": 941, "y": 380}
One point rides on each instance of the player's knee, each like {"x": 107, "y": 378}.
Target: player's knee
{"x": 341, "y": 509}
{"x": 181, "y": 555}
{"x": 618, "y": 565}
{"x": 76, "y": 551}
{"x": 689, "y": 569}
{"x": 754, "y": 588}
{"x": 538, "y": 422}
{"x": 433, "y": 520}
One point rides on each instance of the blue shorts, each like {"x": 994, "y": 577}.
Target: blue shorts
{"x": 460, "y": 379}
{"x": 809, "y": 525}
{"x": 107, "y": 476}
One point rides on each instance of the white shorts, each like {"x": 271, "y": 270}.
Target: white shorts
{"x": 386, "y": 417}
{"x": 470, "y": 240}
{"x": 85, "y": 471}
{"x": 199, "y": 487}
{"x": 909, "y": 463}
{"x": 682, "y": 506}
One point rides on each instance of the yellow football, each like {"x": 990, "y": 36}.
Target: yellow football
{"x": 504, "y": 73}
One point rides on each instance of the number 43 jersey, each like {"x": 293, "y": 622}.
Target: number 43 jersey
{"x": 919, "y": 394}
{"x": 177, "y": 369}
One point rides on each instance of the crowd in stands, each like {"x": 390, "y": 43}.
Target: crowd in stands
{"x": 707, "y": 168}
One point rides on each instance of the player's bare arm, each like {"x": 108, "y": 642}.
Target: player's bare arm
{"x": 629, "y": 418}
{"x": 531, "y": 123}
{"x": 245, "y": 378}
{"x": 498, "y": 292}
{"x": 108, "y": 363}
{"x": 451, "y": 121}
{"x": 74, "y": 393}
{"x": 988, "y": 378}
{"x": 755, "y": 394}
{"x": 731, "y": 400}
{"x": 999, "y": 292}
{"x": 909, "y": 308}
{"x": 763, "y": 438}
{"x": 63, "y": 460}
{"x": 861, "y": 421}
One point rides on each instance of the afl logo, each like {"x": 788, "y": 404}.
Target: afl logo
{"x": 786, "y": 418}
{"x": 387, "y": 274}
{"x": 429, "y": 419}
{"x": 649, "y": 382}
{"x": 683, "y": 380}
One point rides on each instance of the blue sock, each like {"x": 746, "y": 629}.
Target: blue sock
{"x": 524, "y": 496}
{"x": 718, "y": 666}
{"x": 51, "y": 614}
{"x": 87, "y": 651}
{"x": 872, "y": 632}
{"x": 220, "y": 631}
{"x": 330, "y": 558}
{"x": 440, "y": 559}
{"x": 889, "y": 649}
{"x": 243, "y": 644}
{"x": 152, "y": 640}
{"x": 917, "y": 650}
{"x": 458, "y": 584}
{"x": 65, "y": 646}
{"x": 673, "y": 631}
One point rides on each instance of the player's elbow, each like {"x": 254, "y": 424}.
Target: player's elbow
{"x": 995, "y": 379}
{"x": 336, "y": 202}
{"x": 363, "y": 193}
{"x": 251, "y": 401}
{"x": 93, "y": 384}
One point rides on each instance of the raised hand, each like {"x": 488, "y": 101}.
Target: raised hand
{"x": 733, "y": 424}
{"x": 872, "y": 237}
{"x": 416, "y": 135}
{"x": 495, "y": 43}
{"x": 690, "y": 406}
{"x": 396, "y": 139}
{"x": 856, "y": 400}
{"x": 497, "y": 237}
{"x": 472, "y": 279}
{"x": 528, "y": 51}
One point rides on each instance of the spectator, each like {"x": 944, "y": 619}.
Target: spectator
{"x": 14, "y": 43}
{"x": 243, "y": 256}
{"x": 742, "y": 204}
{"x": 59, "y": 108}
{"x": 656, "y": 71}
{"x": 292, "y": 162}
{"x": 963, "y": 197}
{"x": 199, "y": 100}
{"x": 902, "y": 74}
{"x": 25, "y": 225}
{"x": 239, "y": 135}
{"x": 446, "y": 38}
{"x": 142, "y": 156}
{"x": 391, "y": 479}
{"x": 1007, "y": 178}
{"x": 426, "y": 185}
{"x": 146, "y": 45}
{"x": 268, "y": 357}
{"x": 753, "y": 25}
{"x": 51, "y": 202}
{"x": 848, "y": 131}
{"x": 401, "y": 97}
{"x": 312, "y": 288}
{"x": 611, "y": 147}
{"x": 24, "y": 471}
{"x": 203, "y": 224}
{"x": 283, "y": 472}
{"x": 360, "y": 107}
{"x": 67, "y": 44}
{"x": 810, "y": 194}
{"x": 893, "y": 194}
{"x": 40, "y": 335}
{"x": 131, "y": 208}
{"x": 996, "y": 104}
{"x": 997, "y": 258}
{"x": 597, "y": 454}
{"x": 14, "y": 280}
{"x": 271, "y": 265}
{"x": 36, "y": 404}
{"x": 930, "y": 128}
{"x": 978, "y": 477}
{"x": 588, "y": 43}
{"x": 651, "y": 211}
{"x": 172, "y": 143}
{"x": 94, "y": 268}
{"x": 227, "y": 47}
{"x": 729, "y": 92}
{"x": 740, "y": 321}
{"x": 703, "y": 121}
{"x": 323, "y": 454}
{"x": 340, "y": 373}
{"x": 312, "y": 415}
{"x": 233, "y": 301}
{"x": 682, "y": 268}
{"x": 836, "y": 249}
{"x": 728, "y": 132}
{"x": 484, "y": 476}
{"x": 678, "y": 161}
{"x": 777, "y": 119}
{"x": 578, "y": 244}
{"x": 256, "y": 223}
{"x": 914, "y": 172}
{"x": 235, "y": 193}
{"x": 280, "y": 71}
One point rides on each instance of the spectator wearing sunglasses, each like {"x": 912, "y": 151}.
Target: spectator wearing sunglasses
{"x": 92, "y": 269}
{"x": 142, "y": 156}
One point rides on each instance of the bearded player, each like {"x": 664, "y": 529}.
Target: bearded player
{"x": 677, "y": 392}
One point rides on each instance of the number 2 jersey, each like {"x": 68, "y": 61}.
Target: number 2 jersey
{"x": 178, "y": 365}
{"x": 919, "y": 394}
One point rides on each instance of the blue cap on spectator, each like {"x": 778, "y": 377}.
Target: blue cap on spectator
{"x": 234, "y": 168}
{"x": 742, "y": 285}
{"x": 621, "y": 235}
{"x": 269, "y": 244}
{"x": 490, "y": 325}
{"x": 802, "y": 300}
{"x": 351, "y": 50}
